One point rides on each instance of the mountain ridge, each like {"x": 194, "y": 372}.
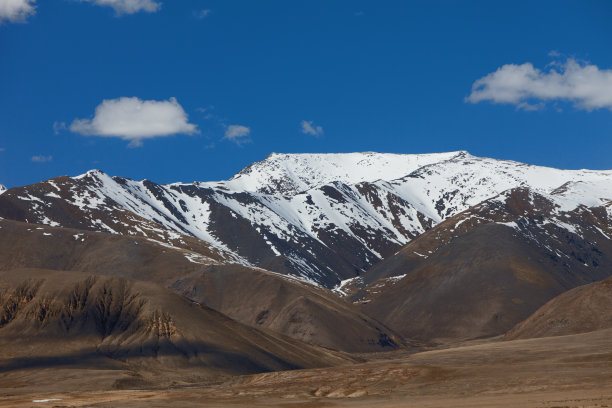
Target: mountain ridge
{"x": 482, "y": 271}
{"x": 324, "y": 228}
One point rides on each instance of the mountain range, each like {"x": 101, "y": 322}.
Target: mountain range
{"x": 340, "y": 253}
{"x": 321, "y": 217}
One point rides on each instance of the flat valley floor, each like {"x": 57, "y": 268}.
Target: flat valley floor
{"x": 561, "y": 372}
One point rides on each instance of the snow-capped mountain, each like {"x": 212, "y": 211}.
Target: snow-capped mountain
{"x": 484, "y": 270}
{"x": 290, "y": 174}
{"x": 322, "y": 217}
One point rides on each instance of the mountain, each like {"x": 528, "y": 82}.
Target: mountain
{"x": 289, "y": 306}
{"x": 110, "y": 283}
{"x": 482, "y": 271}
{"x": 580, "y": 310}
{"x": 52, "y": 319}
{"x": 324, "y": 218}
{"x": 24, "y": 245}
{"x": 291, "y": 174}
{"x": 249, "y": 295}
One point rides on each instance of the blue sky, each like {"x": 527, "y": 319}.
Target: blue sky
{"x": 196, "y": 90}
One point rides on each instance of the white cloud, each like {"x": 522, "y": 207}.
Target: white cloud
{"x": 585, "y": 85}
{"x": 134, "y": 119}
{"x": 309, "y": 129}
{"x": 16, "y": 10}
{"x": 128, "y": 6}
{"x": 201, "y": 13}
{"x": 41, "y": 158}
{"x": 237, "y": 133}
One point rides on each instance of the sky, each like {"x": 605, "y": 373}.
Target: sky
{"x": 196, "y": 89}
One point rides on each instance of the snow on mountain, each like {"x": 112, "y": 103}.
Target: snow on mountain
{"x": 322, "y": 217}
{"x": 446, "y": 188}
{"x": 2, "y": 188}
{"x": 493, "y": 264}
{"x": 589, "y": 193}
{"x": 294, "y": 173}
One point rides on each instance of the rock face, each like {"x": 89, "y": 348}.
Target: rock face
{"x": 68, "y": 318}
{"x": 320, "y": 217}
{"x": 580, "y": 310}
{"x": 482, "y": 271}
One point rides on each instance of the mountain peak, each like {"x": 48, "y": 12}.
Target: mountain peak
{"x": 290, "y": 173}
{"x": 91, "y": 173}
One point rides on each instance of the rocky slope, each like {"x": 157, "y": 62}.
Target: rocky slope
{"x": 583, "y": 309}
{"x": 25, "y": 245}
{"x": 321, "y": 217}
{"x": 53, "y": 319}
{"x": 482, "y": 271}
{"x": 288, "y": 306}
{"x": 251, "y": 296}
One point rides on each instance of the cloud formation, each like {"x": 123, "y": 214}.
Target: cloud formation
{"x": 134, "y": 119}
{"x": 584, "y": 85}
{"x": 309, "y": 129}
{"x": 16, "y": 10}
{"x": 41, "y": 158}
{"x": 128, "y": 6}
{"x": 237, "y": 133}
{"x": 201, "y": 14}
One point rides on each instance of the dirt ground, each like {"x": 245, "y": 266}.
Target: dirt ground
{"x": 558, "y": 372}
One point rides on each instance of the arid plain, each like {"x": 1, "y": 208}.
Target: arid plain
{"x": 561, "y": 372}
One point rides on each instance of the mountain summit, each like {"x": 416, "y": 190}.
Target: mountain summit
{"x": 294, "y": 173}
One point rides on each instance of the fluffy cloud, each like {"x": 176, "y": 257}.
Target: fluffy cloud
{"x": 16, "y": 10}
{"x": 128, "y": 6}
{"x": 309, "y": 129}
{"x": 237, "y": 133}
{"x": 41, "y": 158}
{"x": 134, "y": 119}
{"x": 584, "y": 85}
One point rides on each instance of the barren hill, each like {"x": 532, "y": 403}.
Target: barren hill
{"x": 252, "y": 296}
{"x": 50, "y": 318}
{"x": 583, "y": 309}
{"x": 486, "y": 269}
{"x": 302, "y": 311}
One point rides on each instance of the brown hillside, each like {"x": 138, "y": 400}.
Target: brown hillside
{"x": 250, "y": 296}
{"x": 479, "y": 286}
{"x": 580, "y": 310}
{"x": 51, "y": 318}
{"x": 480, "y": 273}
{"x": 40, "y": 246}
{"x": 305, "y": 312}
